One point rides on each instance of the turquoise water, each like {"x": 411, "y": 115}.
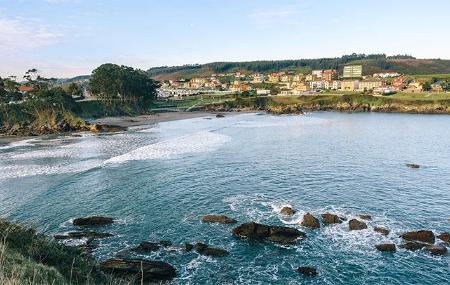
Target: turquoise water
{"x": 160, "y": 180}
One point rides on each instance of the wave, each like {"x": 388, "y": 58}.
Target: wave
{"x": 194, "y": 143}
{"x": 22, "y": 143}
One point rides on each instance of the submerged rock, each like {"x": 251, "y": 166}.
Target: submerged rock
{"x": 165, "y": 243}
{"x": 93, "y": 221}
{"x": 255, "y": 231}
{"x": 356, "y": 225}
{"x": 147, "y": 247}
{"x": 310, "y": 221}
{"x": 365, "y": 217}
{"x": 308, "y": 271}
{"x": 218, "y": 219}
{"x": 329, "y": 219}
{"x": 381, "y": 230}
{"x": 413, "y": 165}
{"x": 210, "y": 251}
{"x": 139, "y": 269}
{"x": 386, "y": 247}
{"x": 436, "y": 249}
{"x": 287, "y": 211}
{"x": 80, "y": 235}
{"x": 413, "y": 245}
{"x": 188, "y": 247}
{"x": 444, "y": 237}
{"x": 220, "y": 116}
{"x": 421, "y": 236}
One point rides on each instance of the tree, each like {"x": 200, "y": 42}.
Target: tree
{"x": 111, "y": 82}
{"x": 426, "y": 86}
{"x": 75, "y": 90}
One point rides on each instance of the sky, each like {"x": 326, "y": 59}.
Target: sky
{"x": 65, "y": 38}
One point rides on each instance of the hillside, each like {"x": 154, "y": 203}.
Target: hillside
{"x": 371, "y": 64}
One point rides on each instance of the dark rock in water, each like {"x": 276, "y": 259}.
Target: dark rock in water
{"x": 444, "y": 237}
{"x": 310, "y": 221}
{"x": 107, "y": 128}
{"x": 210, "y": 251}
{"x": 80, "y": 235}
{"x": 356, "y": 225}
{"x": 381, "y": 230}
{"x": 255, "y": 231}
{"x": 422, "y": 236}
{"x": 413, "y": 245}
{"x": 139, "y": 269}
{"x": 365, "y": 217}
{"x": 288, "y": 211}
{"x": 329, "y": 219}
{"x": 147, "y": 247}
{"x": 412, "y": 165}
{"x": 188, "y": 247}
{"x": 89, "y": 246}
{"x": 436, "y": 249}
{"x": 218, "y": 219}
{"x": 165, "y": 243}
{"x": 93, "y": 221}
{"x": 308, "y": 271}
{"x": 387, "y": 247}
{"x": 220, "y": 116}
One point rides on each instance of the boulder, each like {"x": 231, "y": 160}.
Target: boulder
{"x": 365, "y": 217}
{"x": 255, "y": 231}
{"x": 412, "y": 165}
{"x": 310, "y": 221}
{"x": 356, "y": 225}
{"x": 436, "y": 249}
{"x": 218, "y": 219}
{"x": 412, "y": 245}
{"x": 386, "y": 247}
{"x": 188, "y": 247}
{"x": 287, "y": 211}
{"x": 329, "y": 219}
{"x": 147, "y": 247}
{"x": 421, "y": 236}
{"x": 93, "y": 221}
{"x": 204, "y": 249}
{"x": 165, "y": 243}
{"x": 444, "y": 237}
{"x": 220, "y": 116}
{"x": 139, "y": 269}
{"x": 308, "y": 271}
{"x": 80, "y": 235}
{"x": 381, "y": 230}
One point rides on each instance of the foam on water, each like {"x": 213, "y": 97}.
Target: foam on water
{"x": 194, "y": 143}
{"x": 21, "y": 143}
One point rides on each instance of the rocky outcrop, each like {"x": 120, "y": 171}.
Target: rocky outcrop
{"x": 205, "y": 249}
{"x": 220, "y": 116}
{"x": 285, "y": 109}
{"x": 310, "y": 221}
{"x": 287, "y": 211}
{"x": 381, "y": 230}
{"x": 307, "y": 271}
{"x": 139, "y": 269}
{"x": 147, "y": 247}
{"x": 218, "y": 219}
{"x": 255, "y": 231}
{"x": 412, "y": 165}
{"x": 420, "y": 236}
{"x": 80, "y": 235}
{"x": 413, "y": 245}
{"x": 188, "y": 247}
{"x": 356, "y": 225}
{"x": 165, "y": 243}
{"x": 93, "y": 221}
{"x": 436, "y": 249}
{"x": 386, "y": 247}
{"x": 444, "y": 237}
{"x": 329, "y": 219}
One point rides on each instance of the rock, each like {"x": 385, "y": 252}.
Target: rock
{"x": 255, "y": 231}
{"x": 218, "y": 219}
{"x": 356, "y": 225}
{"x": 80, "y": 235}
{"x": 308, "y": 271}
{"x": 165, "y": 243}
{"x": 365, "y": 217}
{"x": 310, "y": 221}
{"x": 329, "y": 219}
{"x": 386, "y": 247}
{"x": 104, "y": 128}
{"x": 93, "y": 221}
{"x": 220, "y": 116}
{"x": 188, "y": 247}
{"x": 147, "y": 247}
{"x": 436, "y": 249}
{"x": 412, "y": 245}
{"x": 412, "y": 165}
{"x": 381, "y": 230}
{"x": 288, "y": 211}
{"x": 421, "y": 236}
{"x": 139, "y": 269}
{"x": 210, "y": 251}
{"x": 444, "y": 237}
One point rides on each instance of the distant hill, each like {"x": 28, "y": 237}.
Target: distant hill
{"x": 371, "y": 64}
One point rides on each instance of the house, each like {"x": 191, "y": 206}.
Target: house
{"x": 399, "y": 83}
{"x": 350, "y": 85}
{"x": 436, "y": 87}
{"x": 318, "y": 84}
{"x": 303, "y": 87}
{"x": 352, "y": 71}
{"x": 414, "y": 87}
{"x": 309, "y": 77}
{"x": 274, "y": 78}
{"x": 317, "y": 73}
{"x": 336, "y": 85}
{"x": 367, "y": 85}
{"x": 262, "y": 92}
{"x": 386, "y": 75}
{"x": 329, "y": 74}
{"x": 25, "y": 89}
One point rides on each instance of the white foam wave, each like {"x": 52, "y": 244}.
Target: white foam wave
{"x": 22, "y": 143}
{"x": 194, "y": 143}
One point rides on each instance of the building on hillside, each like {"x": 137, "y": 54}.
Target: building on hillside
{"x": 274, "y": 78}
{"x": 436, "y": 87}
{"x": 303, "y": 87}
{"x": 330, "y": 74}
{"x": 258, "y": 78}
{"x": 335, "y": 85}
{"x": 367, "y": 85}
{"x": 286, "y": 78}
{"x": 25, "y": 89}
{"x": 262, "y": 92}
{"x": 352, "y": 71}
{"x": 386, "y": 75}
{"x": 414, "y": 87}
{"x": 309, "y": 77}
{"x": 317, "y": 73}
{"x": 297, "y": 77}
{"x": 319, "y": 84}
{"x": 350, "y": 85}
{"x": 399, "y": 83}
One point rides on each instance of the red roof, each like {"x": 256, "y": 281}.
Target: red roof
{"x": 25, "y": 88}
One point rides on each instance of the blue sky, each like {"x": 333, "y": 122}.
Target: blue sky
{"x": 70, "y": 37}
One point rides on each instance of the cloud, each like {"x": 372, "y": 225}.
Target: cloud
{"x": 22, "y": 34}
